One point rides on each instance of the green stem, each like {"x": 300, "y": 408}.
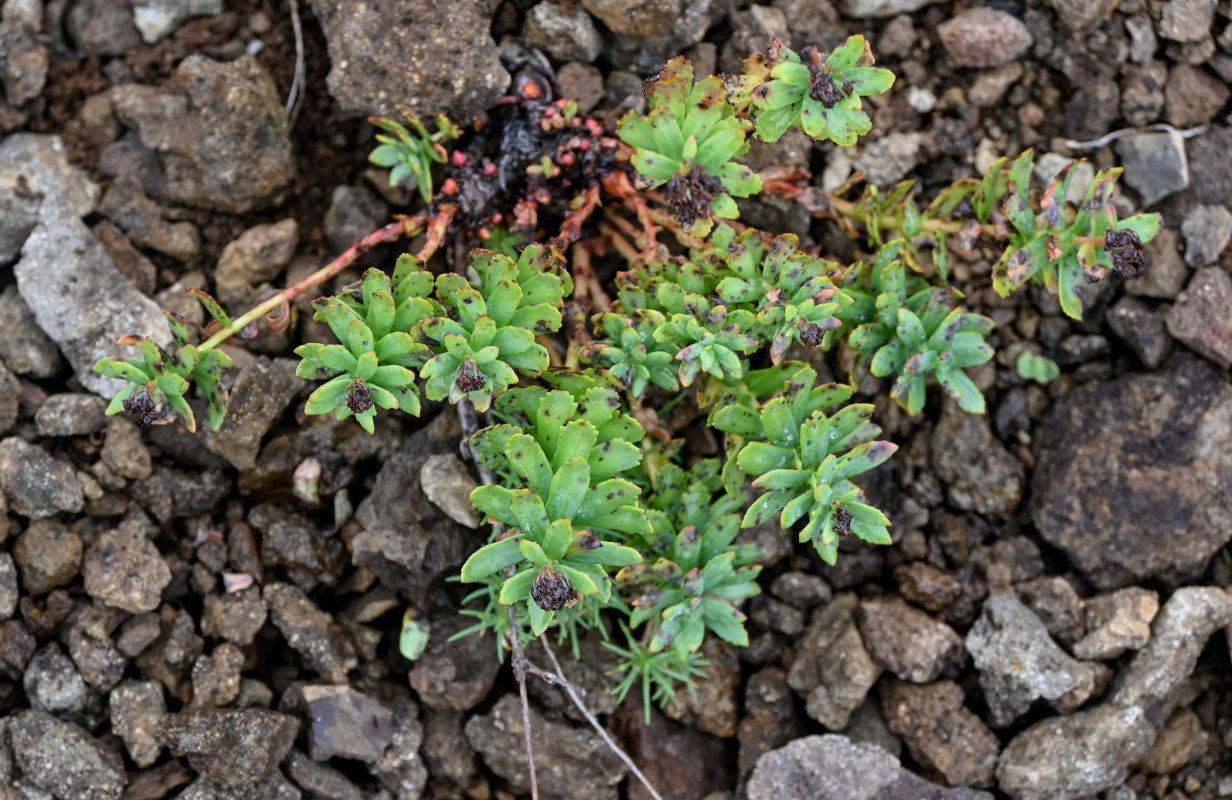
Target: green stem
{"x": 403, "y": 228}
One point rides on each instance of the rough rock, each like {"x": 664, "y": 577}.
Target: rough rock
{"x": 123, "y": 452}
{"x": 8, "y": 586}
{"x": 1211, "y": 172}
{"x": 455, "y": 675}
{"x": 18, "y": 216}
{"x": 38, "y": 164}
{"x": 888, "y": 160}
{"x": 81, "y": 300}
{"x": 273, "y": 786}
{"x": 64, "y": 759}
{"x": 260, "y": 254}
{"x": 1019, "y": 663}
{"x": 1119, "y": 462}
{"x": 137, "y": 707}
{"x": 583, "y": 83}
{"x": 219, "y": 129}
{"x": 24, "y": 348}
{"x": 48, "y": 555}
{"x": 310, "y": 632}
{"x": 10, "y": 399}
{"x": 1167, "y": 274}
{"x": 769, "y": 719}
{"x": 405, "y": 539}
{"x": 54, "y": 685}
{"x": 124, "y": 569}
{"x": 126, "y": 204}
{"x": 716, "y": 707}
{"x": 1192, "y": 97}
{"x": 294, "y": 542}
{"x": 1142, "y": 92}
{"x": 564, "y": 33}
{"x": 70, "y": 414}
{"x": 320, "y": 780}
{"x": 445, "y": 749}
{"x": 831, "y": 668}
{"x": 645, "y": 33}
{"x": 1187, "y": 20}
{"x": 102, "y": 28}
{"x": 235, "y": 616}
{"x": 1081, "y": 15}
{"x": 1117, "y": 622}
{"x": 157, "y": 18}
{"x": 23, "y": 71}
{"x": 1207, "y": 230}
{"x": 234, "y": 747}
{"x": 262, "y": 392}
{"x": 412, "y": 51}
{"x": 16, "y": 648}
{"x": 216, "y": 677}
{"x": 1065, "y": 758}
{"x": 347, "y": 724}
{"x": 569, "y": 762}
{"x": 1156, "y": 164}
{"x": 908, "y": 642}
{"x": 978, "y": 472}
{"x": 835, "y": 768}
{"x": 89, "y": 645}
{"x": 447, "y": 483}
{"x": 1143, "y": 329}
{"x": 353, "y": 213}
{"x": 942, "y": 733}
{"x": 984, "y": 37}
{"x": 1058, "y": 606}
{"x": 172, "y": 493}
{"x": 801, "y": 589}
{"x": 1181, "y": 740}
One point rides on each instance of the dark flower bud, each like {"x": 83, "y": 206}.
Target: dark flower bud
{"x": 842, "y": 520}
{"x": 1128, "y": 257}
{"x": 468, "y": 377}
{"x": 141, "y": 408}
{"x": 358, "y": 398}
{"x": 552, "y": 591}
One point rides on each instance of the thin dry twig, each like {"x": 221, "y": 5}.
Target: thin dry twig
{"x": 295, "y": 95}
{"x": 519, "y": 672}
{"x": 1095, "y": 144}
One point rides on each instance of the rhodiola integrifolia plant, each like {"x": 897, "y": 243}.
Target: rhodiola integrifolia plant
{"x": 599, "y": 517}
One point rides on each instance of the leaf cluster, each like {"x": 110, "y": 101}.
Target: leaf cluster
{"x": 411, "y": 151}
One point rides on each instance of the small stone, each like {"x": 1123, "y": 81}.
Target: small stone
{"x": 1142, "y": 41}
{"x": 10, "y": 399}
{"x": 23, "y": 70}
{"x": 216, "y": 677}
{"x": 769, "y": 718}
{"x": 1143, "y": 329}
{"x": 990, "y": 86}
{"x": 942, "y": 733}
{"x": 353, "y": 213}
{"x": 18, "y": 216}
{"x": 1142, "y": 92}
{"x": 570, "y": 762}
{"x": 1211, "y": 169}
{"x": 137, "y": 708}
{"x": 882, "y": 8}
{"x": 102, "y": 28}
{"x": 752, "y": 28}
{"x": 39, "y": 163}
{"x": 235, "y": 616}
{"x": 978, "y": 472}
{"x": 234, "y": 747}
{"x": 24, "y": 348}
{"x": 833, "y": 767}
{"x": 1192, "y": 97}
{"x": 907, "y": 642}
{"x": 448, "y": 484}
{"x": 1166, "y": 273}
{"x": 984, "y": 37}
{"x": 123, "y": 451}
{"x": 407, "y": 51}
{"x": 260, "y": 254}
{"x": 71, "y": 414}
{"x": 273, "y": 786}
{"x": 1155, "y": 164}
{"x": 310, "y": 632}
{"x": 927, "y": 586}
{"x": 64, "y": 759}
{"x": 566, "y": 33}
{"x": 1019, "y": 663}
{"x": 454, "y": 674}
{"x": 581, "y": 82}
{"x": 1187, "y": 20}
{"x": 48, "y": 555}
{"x": 319, "y": 780}
{"x": 890, "y": 158}
{"x": 16, "y": 647}
{"x": 645, "y": 33}
{"x": 1207, "y": 230}
{"x": 82, "y": 301}
{"x": 1202, "y": 316}
{"x": 124, "y": 569}
{"x": 53, "y": 684}
{"x": 219, "y": 129}
{"x": 1081, "y": 15}
{"x": 801, "y": 589}
{"x": 172, "y": 493}
{"x": 8, "y": 586}
{"x": 715, "y": 709}
{"x": 98, "y": 660}
{"x": 347, "y": 724}
{"x": 1181, "y": 741}
{"x": 1117, "y": 622}
{"x": 157, "y": 18}
{"x": 1058, "y": 606}
{"x": 263, "y": 390}
{"x": 831, "y": 668}
{"x": 137, "y": 634}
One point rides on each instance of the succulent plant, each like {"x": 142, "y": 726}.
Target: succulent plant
{"x": 630, "y": 352}
{"x": 803, "y": 462}
{"x": 410, "y": 153}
